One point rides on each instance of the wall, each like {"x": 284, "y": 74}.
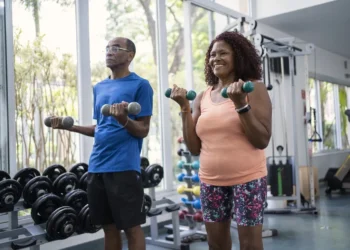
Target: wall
{"x": 266, "y": 8}
{"x": 328, "y": 66}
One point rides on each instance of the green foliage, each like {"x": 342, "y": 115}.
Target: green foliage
{"x": 45, "y": 84}
{"x": 343, "y": 104}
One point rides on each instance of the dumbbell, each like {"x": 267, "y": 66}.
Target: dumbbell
{"x": 182, "y": 176}
{"x": 133, "y": 108}
{"x": 194, "y": 165}
{"x": 189, "y": 96}
{"x": 247, "y": 88}
{"x": 195, "y": 190}
{"x": 196, "y": 203}
{"x": 198, "y": 216}
{"x": 66, "y": 121}
{"x": 182, "y": 214}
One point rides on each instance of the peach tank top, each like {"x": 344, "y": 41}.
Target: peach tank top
{"x": 227, "y": 158}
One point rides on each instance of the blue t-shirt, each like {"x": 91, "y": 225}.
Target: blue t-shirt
{"x": 115, "y": 149}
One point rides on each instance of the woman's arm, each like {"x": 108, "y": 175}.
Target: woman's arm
{"x": 189, "y": 123}
{"x": 257, "y": 121}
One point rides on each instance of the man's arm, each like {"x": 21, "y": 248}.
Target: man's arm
{"x": 138, "y": 127}
{"x": 85, "y": 130}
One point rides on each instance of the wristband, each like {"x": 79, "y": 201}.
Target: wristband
{"x": 244, "y": 109}
{"x": 126, "y": 123}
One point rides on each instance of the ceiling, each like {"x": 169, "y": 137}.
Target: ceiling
{"x": 326, "y": 25}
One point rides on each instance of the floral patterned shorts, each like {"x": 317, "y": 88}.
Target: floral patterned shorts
{"x": 246, "y": 201}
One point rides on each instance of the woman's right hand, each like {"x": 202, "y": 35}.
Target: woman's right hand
{"x": 179, "y": 95}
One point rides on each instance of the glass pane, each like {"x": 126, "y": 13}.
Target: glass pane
{"x": 45, "y": 81}
{"x": 221, "y": 22}
{"x": 241, "y": 6}
{"x": 344, "y": 123}
{"x": 176, "y": 69}
{"x": 313, "y": 104}
{"x": 328, "y": 115}
{"x": 3, "y": 93}
{"x": 136, "y": 21}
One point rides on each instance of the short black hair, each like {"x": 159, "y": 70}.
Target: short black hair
{"x": 130, "y": 45}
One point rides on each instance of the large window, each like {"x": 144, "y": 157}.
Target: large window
{"x": 45, "y": 81}
{"x": 330, "y": 101}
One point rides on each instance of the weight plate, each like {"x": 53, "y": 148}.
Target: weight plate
{"x": 85, "y": 224}
{"x": 83, "y": 182}
{"x": 147, "y": 203}
{"x": 54, "y": 171}
{"x": 4, "y": 175}
{"x": 79, "y": 169}
{"x": 25, "y": 175}
{"x": 36, "y": 187}
{"x": 61, "y": 224}
{"x": 76, "y": 199}
{"x": 143, "y": 177}
{"x": 144, "y": 162}
{"x": 10, "y": 193}
{"x": 81, "y": 220}
{"x": 65, "y": 183}
{"x": 154, "y": 175}
{"x": 44, "y": 206}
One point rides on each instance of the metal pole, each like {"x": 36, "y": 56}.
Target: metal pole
{"x": 295, "y": 138}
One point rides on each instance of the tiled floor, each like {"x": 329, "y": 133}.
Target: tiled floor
{"x": 329, "y": 230}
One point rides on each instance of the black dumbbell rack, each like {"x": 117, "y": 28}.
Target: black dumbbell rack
{"x": 36, "y": 234}
{"x": 193, "y": 231}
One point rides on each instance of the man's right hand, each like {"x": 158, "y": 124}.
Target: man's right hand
{"x": 56, "y": 122}
{"x": 59, "y": 122}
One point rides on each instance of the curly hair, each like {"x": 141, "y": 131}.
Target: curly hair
{"x": 247, "y": 63}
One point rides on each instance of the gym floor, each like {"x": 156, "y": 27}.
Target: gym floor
{"x": 329, "y": 230}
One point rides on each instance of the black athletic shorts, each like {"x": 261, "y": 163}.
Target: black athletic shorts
{"x": 116, "y": 198}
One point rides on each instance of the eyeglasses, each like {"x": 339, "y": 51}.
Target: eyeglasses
{"x": 115, "y": 49}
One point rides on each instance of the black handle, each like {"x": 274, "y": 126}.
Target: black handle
{"x": 23, "y": 244}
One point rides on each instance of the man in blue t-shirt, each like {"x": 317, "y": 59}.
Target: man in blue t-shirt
{"x": 115, "y": 191}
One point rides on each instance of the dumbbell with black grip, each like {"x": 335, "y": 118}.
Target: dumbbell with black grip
{"x": 190, "y": 95}
{"x": 65, "y": 121}
{"x": 247, "y": 88}
{"x": 133, "y": 108}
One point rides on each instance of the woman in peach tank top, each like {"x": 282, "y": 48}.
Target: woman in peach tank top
{"x": 230, "y": 135}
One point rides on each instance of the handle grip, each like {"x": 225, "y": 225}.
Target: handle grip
{"x": 133, "y": 108}
{"x": 247, "y": 88}
{"x": 191, "y": 95}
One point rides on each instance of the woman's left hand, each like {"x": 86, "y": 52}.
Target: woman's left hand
{"x": 236, "y": 94}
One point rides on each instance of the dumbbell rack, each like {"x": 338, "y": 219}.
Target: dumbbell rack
{"x": 157, "y": 209}
{"x": 194, "y": 228}
{"x": 35, "y": 235}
